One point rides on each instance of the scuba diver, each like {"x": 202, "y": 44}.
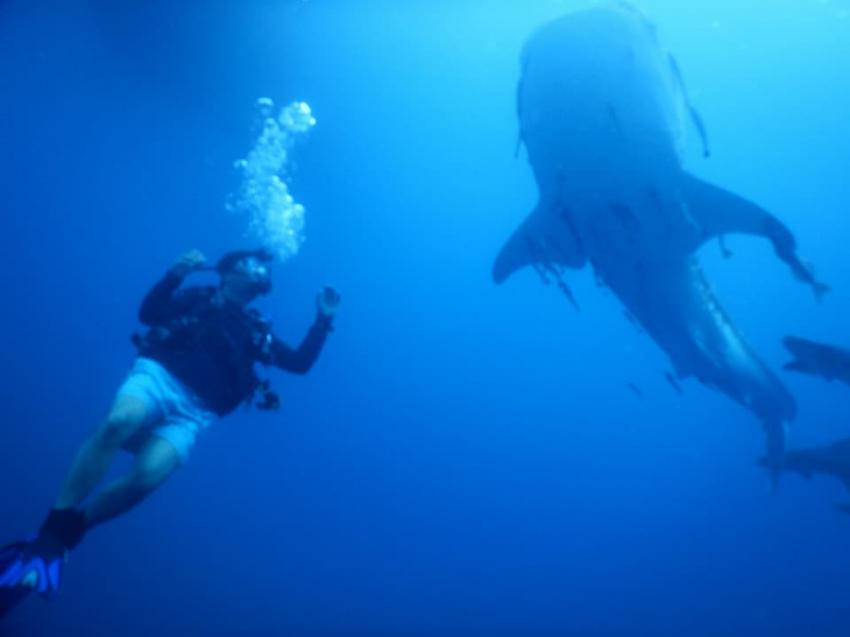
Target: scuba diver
{"x": 831, "y": 363}
{"x": 195, "y": 364}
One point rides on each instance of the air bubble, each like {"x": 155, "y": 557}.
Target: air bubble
{"x": 274, "y": 217}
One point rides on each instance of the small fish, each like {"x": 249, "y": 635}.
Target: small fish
{"x": 631, "y": 319}
{"x": 549, "y": 271}
{"x": 568, "y": 293}
{"x": 674, "y": 383}
{"x": 627, "y": 218}
{"x": 724, "y": 250}
{"x": 635, "y": 389}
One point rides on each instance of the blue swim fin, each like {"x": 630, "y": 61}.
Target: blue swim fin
{"x": 36, "y": 565}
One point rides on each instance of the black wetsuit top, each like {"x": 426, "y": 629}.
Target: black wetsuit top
{"x": 217, "y": 342}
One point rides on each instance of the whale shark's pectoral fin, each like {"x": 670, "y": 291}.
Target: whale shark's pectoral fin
{"x": 514, "y": 255}
{"x": 543, "y": 239}
{"x": 718, "y": 212}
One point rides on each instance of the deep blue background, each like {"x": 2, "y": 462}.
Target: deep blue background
{"x": 464, "y": 459}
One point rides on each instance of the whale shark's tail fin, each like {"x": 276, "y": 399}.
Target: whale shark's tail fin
{"x": 718, "y": 212}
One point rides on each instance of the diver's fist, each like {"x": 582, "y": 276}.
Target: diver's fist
{"x": 328, "y": 301}
{"x": 188, "y": 263}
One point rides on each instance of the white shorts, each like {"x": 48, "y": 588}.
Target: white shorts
{"x": 174, "y": 412}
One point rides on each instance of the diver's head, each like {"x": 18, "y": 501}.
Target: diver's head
{"x": 245, "y": 274}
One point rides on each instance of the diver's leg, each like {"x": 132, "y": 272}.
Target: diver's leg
{"x": 37, "y": 564}
{"x": 156, "y": 461}
{"x": 95, "y": 456}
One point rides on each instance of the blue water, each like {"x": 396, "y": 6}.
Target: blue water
{"x": 465, "y": 459}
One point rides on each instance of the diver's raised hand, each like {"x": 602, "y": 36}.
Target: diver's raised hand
{"x": 327, "y": 301}
{"x": 190, "y": 262}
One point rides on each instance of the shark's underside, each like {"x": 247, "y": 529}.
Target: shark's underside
{"x": 603, "y": 113}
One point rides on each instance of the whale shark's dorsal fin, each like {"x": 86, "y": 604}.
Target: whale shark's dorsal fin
{"x": 543, "y": 236}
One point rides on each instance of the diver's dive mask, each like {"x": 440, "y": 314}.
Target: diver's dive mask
{"x": 252, "y": 269}
{"x": 252, "y": 265}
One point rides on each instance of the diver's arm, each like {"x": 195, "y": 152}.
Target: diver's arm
{"x": 301, "y": 359}
{"x": 156, "y": 307}
{"x": 161, "y": 304}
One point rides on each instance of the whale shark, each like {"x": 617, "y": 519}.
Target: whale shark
{"x": 603, "y": 116}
